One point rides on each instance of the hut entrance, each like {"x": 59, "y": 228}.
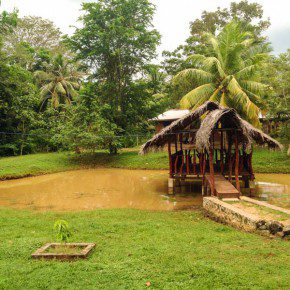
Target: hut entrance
{"x": 214, "y": 144}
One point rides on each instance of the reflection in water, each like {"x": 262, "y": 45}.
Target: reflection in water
{"x": 93, "y": 189}
{"x": 119, "y": 188}
{"x": 273, "y": 188}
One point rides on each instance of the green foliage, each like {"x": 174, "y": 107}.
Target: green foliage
{"x": 17, "y": 107}
{"x": 32, "y": 35}
{"x": 85, "y": 127}
{"x": 228, "y": 72}
{"x": 59, "y": 82}
{"x": 62, "y": 230}
{"x": 117, "y": 42}
{"x": 278, "y": 98}
{"x": 48, "y": 103}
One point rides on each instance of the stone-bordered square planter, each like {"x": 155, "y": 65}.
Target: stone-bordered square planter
{"x": 72, "y": 251}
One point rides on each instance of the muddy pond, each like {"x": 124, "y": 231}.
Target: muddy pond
{"x": 120, "y": 188}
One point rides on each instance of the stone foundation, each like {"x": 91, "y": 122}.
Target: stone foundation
{"x": 231, "y": 215}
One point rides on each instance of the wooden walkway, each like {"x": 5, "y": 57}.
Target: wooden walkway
{"x": 223, "y": 188}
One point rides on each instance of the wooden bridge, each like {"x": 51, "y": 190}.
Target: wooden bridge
{"x": 222, "y": 187}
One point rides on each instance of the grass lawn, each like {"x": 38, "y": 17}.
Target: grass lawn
{"x": 264, "y": 161}
{"x": 172, "y": 250}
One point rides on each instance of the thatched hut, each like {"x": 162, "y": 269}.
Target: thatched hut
{"x": 210, "y": 141}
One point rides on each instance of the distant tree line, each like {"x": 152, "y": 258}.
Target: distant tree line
{"x": 99, "y": 87}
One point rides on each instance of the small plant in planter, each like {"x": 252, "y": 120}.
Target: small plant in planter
{"x": 62, "y": 230}
{"x": 63, "y": 250}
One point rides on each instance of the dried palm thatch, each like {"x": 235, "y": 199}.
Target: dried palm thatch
{"x": 168, "y": 133}
{"x": 229, "y": 119}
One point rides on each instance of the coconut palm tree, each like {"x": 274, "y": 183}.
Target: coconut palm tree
{"x": 227, "y": 73}
{"x": 59, "y": 82}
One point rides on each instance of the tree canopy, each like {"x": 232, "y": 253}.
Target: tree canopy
{"x": 99, "y": 87}
{"x": 228, "y": 72}
{"x": 116, "y": 43}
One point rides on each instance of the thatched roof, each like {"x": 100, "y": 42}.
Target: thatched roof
{"x": 214, "y": 114}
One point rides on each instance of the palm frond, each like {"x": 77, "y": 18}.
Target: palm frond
{"x": 254, "y": 87}
{"x": 60, "y": 89}
{"x": 197, "y": 76}
{"x": 241, "y": 99}
{"x": 215, "y": 96}
{"x": 246, "y": 72}
{"x": 223, "y": 101}
{"x": 196, "y": 59}
{"x": 46, "y": 89}
{"x": 213, "y": 41}
{"x": 197, "y": 95}
{"x": 213, "y": 65}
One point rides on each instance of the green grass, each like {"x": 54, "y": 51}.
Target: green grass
{"x": 264, "y": 161}
{"x": 172, "y": 250}
{"x": 269, "y": 161}
{"x": 35, "y": 164}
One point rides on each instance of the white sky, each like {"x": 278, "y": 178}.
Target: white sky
{"x": 171, "y": 20}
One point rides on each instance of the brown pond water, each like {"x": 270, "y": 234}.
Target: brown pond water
{"x": 118, "y": 188}
{"x": 273, "y": 188}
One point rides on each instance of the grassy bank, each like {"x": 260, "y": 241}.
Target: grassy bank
{"x": 172, "y": 250}
{"x": 264, "y": 161}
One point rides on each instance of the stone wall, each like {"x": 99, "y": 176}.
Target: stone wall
{"x": 231, "y": 215}
{"x": 227, "y": 213}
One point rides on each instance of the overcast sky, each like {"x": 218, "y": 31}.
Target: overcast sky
{"x": 171, "y": 20}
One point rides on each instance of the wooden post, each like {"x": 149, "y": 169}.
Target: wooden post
{"x": 200, "y": 159}
{"x": 182, "y": 163}
{"x": 187, "y": 161}
{"x": 237, "y": 163}
{"x": 211, "y": 168}
{"x": 180, "y": 140}
{"x": 230, "y": 155}
{"x": 175, "y": 163}
{"x": 194, "y": 161}
{"x": 170, "y": 160}
{"x": 203, "y": 166}
{"x": 247, "y": 183}
{"x": 175, "y": 143}
{"x": 222, "y": 152}
{"x": 241, "y": 162}
{"x": 251, "y": 165}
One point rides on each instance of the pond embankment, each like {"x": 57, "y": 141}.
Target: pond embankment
{"x": 264, "y": 161}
